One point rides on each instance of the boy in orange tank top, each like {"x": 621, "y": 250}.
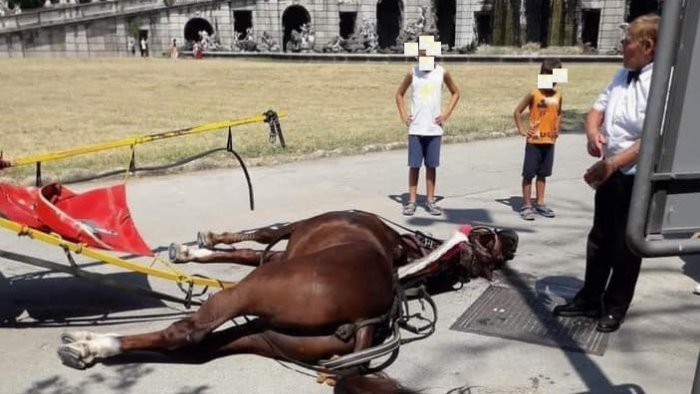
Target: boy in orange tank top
{"x": 544, "y": 106}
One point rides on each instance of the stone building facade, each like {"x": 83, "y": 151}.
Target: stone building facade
{"x": 460, "y": 22}
{"x": 107, "y": 33}
{"x": 104, "y": 28}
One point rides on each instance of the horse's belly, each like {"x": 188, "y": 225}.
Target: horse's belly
{"x": 338, "y": 285}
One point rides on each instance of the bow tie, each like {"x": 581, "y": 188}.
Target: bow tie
{"x": 633, "y": 76}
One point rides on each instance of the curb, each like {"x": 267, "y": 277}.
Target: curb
{"x": 396, "y": 58}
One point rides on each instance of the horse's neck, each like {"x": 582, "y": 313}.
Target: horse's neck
{"x": 413, "y": 246}
{"x": 436, "y": 254}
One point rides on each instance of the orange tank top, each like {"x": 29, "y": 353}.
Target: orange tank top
{"x": 544, "y": 117}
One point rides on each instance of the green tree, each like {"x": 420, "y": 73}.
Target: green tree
{"x": 133, "y": 29}
{"x": 506, "y": 22}
{"x": 564, "y": 22}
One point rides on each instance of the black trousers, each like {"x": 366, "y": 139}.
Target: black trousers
{"x": 611, "y": 267}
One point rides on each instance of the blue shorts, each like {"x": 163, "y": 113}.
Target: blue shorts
{"x": 424, "y": 148}
{"x": 539, "y": 160}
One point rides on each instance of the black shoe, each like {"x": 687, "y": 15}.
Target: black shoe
{"x": 576, "y": 308}
{"x": 609, "y": 323}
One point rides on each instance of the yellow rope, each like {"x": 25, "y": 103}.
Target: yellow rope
{"x": 138, "y": 140}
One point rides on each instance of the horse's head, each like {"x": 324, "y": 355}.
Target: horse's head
{"x": 486, "y": 251}
{"x": 469, "y": 253}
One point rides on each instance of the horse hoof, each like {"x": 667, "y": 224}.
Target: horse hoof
{"x": 175, "y": 253}
{"x": 204, "y": 240}
{"x": 327, "y": 379}
{"x": 71, "y": 356}
{"x": 75, "y": 336}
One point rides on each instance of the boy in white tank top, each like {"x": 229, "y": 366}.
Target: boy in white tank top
{"x": 425, "y": 127}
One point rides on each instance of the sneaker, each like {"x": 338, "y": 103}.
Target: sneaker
{"x": 526, "y": 213}
{"x": 696, "y": 289}
{"x": 432, "y": 208}
{"x": 409, "y": 209}
{"x": 544, "y": 211}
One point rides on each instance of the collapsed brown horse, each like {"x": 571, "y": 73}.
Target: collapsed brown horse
{"x": 332, "y": 292}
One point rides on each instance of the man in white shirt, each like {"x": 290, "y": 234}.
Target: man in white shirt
{"x": 614, "y": 130}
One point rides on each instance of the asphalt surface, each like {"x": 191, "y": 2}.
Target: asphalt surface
{"x": 655, "y": 351}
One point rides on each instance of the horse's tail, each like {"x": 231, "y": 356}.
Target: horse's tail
{"x": 370, "y": 384}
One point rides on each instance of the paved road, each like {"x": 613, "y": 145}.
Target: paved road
{"x": 654, "y": 352}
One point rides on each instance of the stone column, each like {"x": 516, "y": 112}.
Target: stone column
{"x": 611, "y": 16}
{"x": 465, "y": 25}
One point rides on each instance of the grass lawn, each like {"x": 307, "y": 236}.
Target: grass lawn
{"x": 52, "y": 104}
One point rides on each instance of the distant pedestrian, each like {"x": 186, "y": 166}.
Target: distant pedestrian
{"x": 131, "y": 47}
{"x": 197, "y": 50}
{"x": 173, "y": 50}
{"x": 144, "y": 47}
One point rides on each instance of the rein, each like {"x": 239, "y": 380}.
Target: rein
{"x": 418, "y": 233}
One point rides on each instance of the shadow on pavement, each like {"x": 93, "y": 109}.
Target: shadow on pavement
{"x": 45, "y": 299}
{"x": 122, "y": 381}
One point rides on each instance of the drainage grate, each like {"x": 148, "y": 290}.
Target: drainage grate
{"x": 507, "y": 313}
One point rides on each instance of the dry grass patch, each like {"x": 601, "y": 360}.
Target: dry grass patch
{"x": 61, "y": 103}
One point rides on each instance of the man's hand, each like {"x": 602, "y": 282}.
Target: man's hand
{"x": 599, "y": 172}
{"x": 595, "y": 144}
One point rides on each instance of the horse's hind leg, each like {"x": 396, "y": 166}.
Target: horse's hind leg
{"x": 250, "y": 338}
{"x": 223, "y": 306}
{"x": 263, "y": 235}
{"x": 263, "y": 343}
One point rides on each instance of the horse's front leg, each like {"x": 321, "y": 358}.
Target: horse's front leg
{"x": 362, "y": 340}
{"x": 266, "y": 235}
{"x": 178, "y": 253}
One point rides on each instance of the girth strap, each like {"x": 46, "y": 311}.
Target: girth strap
{"x": 347, "y": 331}
{"x": 392, "y": 344}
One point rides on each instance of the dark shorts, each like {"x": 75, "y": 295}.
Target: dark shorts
{"x": 424, "y": 148}
{"x": 539, "y": 160}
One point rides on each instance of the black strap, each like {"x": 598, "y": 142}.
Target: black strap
{"x": 412, "y": 231}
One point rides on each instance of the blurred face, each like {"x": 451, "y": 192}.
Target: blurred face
{"x": 637, "y": 53}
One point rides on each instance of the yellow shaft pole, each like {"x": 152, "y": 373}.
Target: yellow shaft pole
{"x": 109, "y": 259}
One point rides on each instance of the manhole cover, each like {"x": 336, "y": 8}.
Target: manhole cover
{"x": 507, "y": 313}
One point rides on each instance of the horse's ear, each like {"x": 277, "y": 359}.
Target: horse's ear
{"x": 487, "y": 273}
